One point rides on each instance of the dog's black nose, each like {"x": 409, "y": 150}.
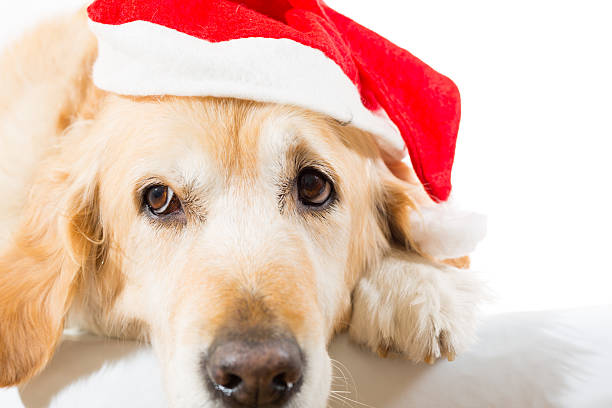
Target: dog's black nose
{"x": 255, "y": 372}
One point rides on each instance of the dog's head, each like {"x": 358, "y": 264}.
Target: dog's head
{"x": 230, "y": 234}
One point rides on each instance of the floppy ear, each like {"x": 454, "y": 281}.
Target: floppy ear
{"x": 46, "y": 77}
{"x": 40, "y": 269}
{"x": 403, "y": 196}
{"x": 437, "y": 231}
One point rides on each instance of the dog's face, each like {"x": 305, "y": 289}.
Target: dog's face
{"x": 229, "y": 233}
{"x": 237, "y": 226}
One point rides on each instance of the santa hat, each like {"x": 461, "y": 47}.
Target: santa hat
{"x": 297, "y": 52}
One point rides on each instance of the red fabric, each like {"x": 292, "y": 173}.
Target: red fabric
{"x": 423, "y": 104}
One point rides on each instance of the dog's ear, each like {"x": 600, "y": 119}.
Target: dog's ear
{"x": 57, "y": 233}
{"x": 439, "y": 232}
{"x": 55, "y": 241}
{"x": 402, "y": 199}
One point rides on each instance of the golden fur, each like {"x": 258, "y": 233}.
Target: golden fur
{"x": 77, "y": 249}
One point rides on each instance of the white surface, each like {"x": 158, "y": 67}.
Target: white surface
{"x": 538, "y": 359}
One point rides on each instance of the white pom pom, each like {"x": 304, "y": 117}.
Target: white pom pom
{"x": 445, "y": 232}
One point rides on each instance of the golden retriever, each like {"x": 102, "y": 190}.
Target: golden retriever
{"x": 237, "y": 237}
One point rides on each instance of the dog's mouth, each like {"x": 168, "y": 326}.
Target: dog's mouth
{"x": 254, "y": 369}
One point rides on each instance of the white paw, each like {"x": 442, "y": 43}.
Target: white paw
{"x": 416, "y": 308}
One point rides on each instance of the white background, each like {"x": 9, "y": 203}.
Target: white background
{"x": 534, "y": 146}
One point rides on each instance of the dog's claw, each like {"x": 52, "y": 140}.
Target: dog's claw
{"x": 382, "y": 351}
{"x": 430, "y": 359}
{"x": 446, "y": 346}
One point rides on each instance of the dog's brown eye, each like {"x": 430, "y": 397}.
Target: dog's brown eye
{"x": 314, "y": 188}
{"x": 161, "y": 200}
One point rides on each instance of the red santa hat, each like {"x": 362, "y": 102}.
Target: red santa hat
{"x": 298, "y": 52}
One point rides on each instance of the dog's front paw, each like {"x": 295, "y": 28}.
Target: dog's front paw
{"x": 416, "y": 308}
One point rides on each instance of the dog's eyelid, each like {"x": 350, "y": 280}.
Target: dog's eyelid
{"x": 319, "y": 166}
{"x": 303, "y": 155}
{"x": 325, "y": 171}
{"x": 146, "y": 183}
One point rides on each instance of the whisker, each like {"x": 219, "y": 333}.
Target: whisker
{"x": 347, "y": 399}
{"x": 337, "y": 398}
{"x": 344, "y": 370}
{"x": 347, "y": 387}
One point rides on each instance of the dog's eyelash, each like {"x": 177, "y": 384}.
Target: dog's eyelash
{"x": 174, "y": 227}
{"x": 323, "y": 213}
{"x": 284, "y": 190}
{"x": 194, "y": 208}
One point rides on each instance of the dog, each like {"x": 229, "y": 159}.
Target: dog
{"x": 236, "y": 237}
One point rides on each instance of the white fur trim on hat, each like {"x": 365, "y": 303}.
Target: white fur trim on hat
{"x": 446, "y": 232}
{"x": 142, "y": 58}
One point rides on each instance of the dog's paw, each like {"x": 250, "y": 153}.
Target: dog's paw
{"x": 415, "y": 308}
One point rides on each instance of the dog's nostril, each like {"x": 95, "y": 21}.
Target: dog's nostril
{"x": 282, "y": 384}
{"x": 279, "y": 380}
{"x": 231, "y": 382}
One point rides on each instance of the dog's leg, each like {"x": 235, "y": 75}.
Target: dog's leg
{"x": 417, "y": 308}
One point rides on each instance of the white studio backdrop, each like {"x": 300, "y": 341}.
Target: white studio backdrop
{"x": 534, "y": 150}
